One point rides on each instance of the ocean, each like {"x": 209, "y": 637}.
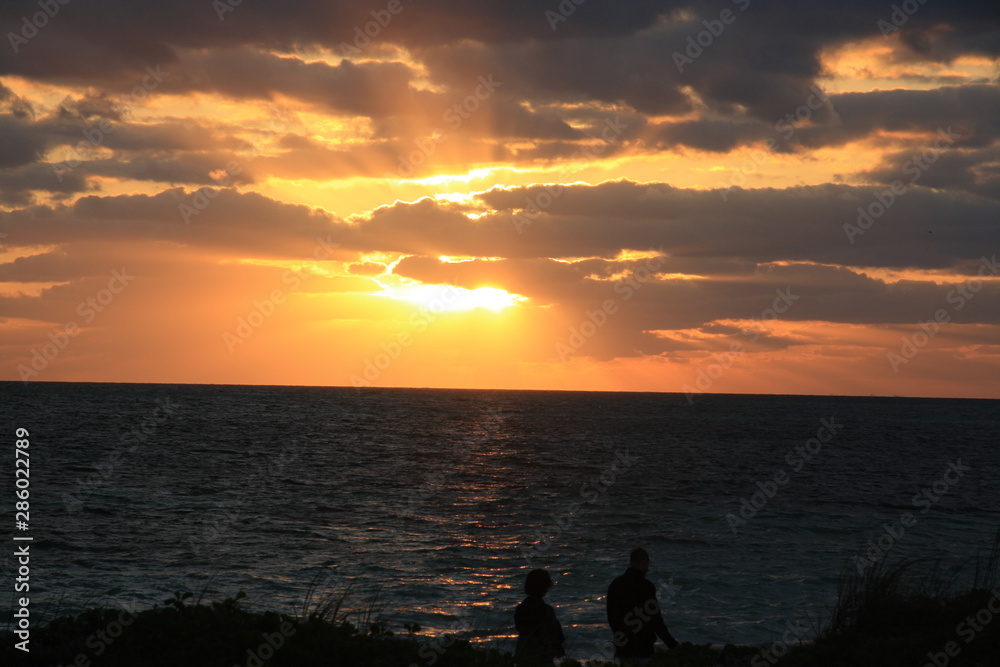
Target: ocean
{"x": 430, "y": 506}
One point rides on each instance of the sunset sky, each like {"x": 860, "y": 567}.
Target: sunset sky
{"x": 734, "y": 196}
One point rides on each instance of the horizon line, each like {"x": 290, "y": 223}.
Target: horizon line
{"x": 496, "y": 389}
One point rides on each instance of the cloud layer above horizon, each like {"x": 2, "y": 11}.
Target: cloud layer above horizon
{"x": 734, "y": 196}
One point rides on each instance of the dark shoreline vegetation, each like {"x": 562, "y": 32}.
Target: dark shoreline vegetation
{"x": 905, "y": 614}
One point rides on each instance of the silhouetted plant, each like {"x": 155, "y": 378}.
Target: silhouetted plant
{"x": 178, "y": 600}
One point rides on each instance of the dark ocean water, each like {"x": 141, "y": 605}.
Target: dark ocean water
{"x": 433, "y": 504}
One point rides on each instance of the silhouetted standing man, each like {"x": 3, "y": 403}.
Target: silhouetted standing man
{"x": 634, "y": 613}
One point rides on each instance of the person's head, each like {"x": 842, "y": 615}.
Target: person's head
{"x": 639, "y": 559}
{"x": 537, "y": 583}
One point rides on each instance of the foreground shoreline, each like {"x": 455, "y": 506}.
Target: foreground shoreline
{"x": 881, "y": 621}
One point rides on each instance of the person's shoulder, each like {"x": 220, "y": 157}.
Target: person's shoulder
{"x": 623, "y": 577}
{"x": 533, "y": 602}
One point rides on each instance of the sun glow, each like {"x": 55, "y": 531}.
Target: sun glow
{"x": 448, "y": 298}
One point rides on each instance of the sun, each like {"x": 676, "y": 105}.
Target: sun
{"x": 491, "y": 298}
{"x": 442, "y": 298}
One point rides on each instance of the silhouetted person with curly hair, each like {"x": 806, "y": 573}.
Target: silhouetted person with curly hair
{"x": 634, "y": 613}
{"x": 539, "y": 635}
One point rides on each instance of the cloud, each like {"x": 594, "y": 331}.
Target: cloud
{"x": 22, "y": 144}
{"x": 229, "y": 222}
{"x": 763, "y": 225}
{"x": 803, "y": 224}
{"x": 553, "y": 149}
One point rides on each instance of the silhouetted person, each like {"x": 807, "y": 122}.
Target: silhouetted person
{"x": 634, "y": 613}
{"x": 539, "y": 635}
